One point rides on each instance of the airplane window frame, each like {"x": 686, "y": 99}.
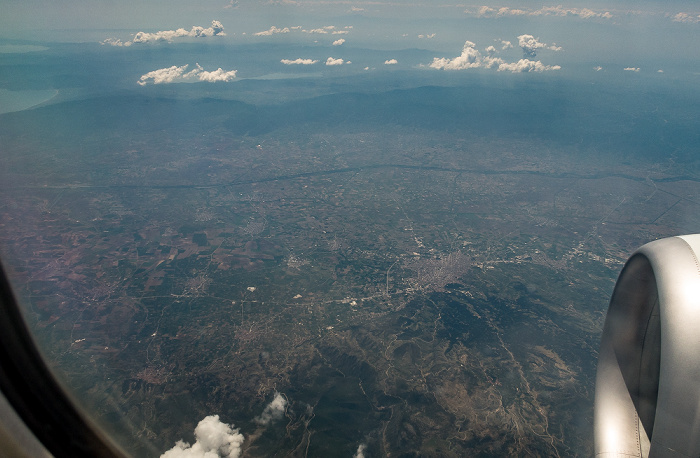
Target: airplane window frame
{"x": 38, "y": 399}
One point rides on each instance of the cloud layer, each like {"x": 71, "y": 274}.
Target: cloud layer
{"x": 213, "y": 439}
{"x": 322, "y": 30}
{"x": 216, "y": 29}
{"x": 273, "y": 411}
{"x": 177, "y": 74}
{"x": 530, "y": 45}
{"x": 325, "y": 30}
{"x": 332, "y": 61}
{"x": 584, "y": 13}
{"x": 472, "y": 58}
{"x": 686, "y": 17}
{"x": 526, "y": 65}
{"x": 298, "y": 61}
{"x": 271, "y": 31}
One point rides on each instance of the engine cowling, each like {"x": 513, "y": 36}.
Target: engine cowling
{"x": 647, "y": 400}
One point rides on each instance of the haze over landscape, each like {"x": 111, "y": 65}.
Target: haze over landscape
{"x": 326, "y": 228}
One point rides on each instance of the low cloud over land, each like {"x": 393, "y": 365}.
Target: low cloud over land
{"x": 530, "y": 45}
{"x": 272, "y": 31}
{"x": 526, "y": 65}
{"x": 472, "y": 58}
{"x": 505, "y": 44}
{"x": 560, "y": 11}
{"x": 213, "y": 439}
{"x": 332, "y": 61}
{"x": 686, "y": 17}
{"x": 216, "y": 29}
{"x": 177, "y": 74}
{"x": 298, "y": 61}
{"x": 273, "y": 411}
{"x": 325, "y": 30}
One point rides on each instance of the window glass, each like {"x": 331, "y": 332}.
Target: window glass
{"x": 333, "y": 228}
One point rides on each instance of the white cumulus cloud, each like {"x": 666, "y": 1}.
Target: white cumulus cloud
{"x": 530, "y": 45}
{"x": 526, "y": 65}
{"x": 487, "y": 11}
{"x": 177, "y": 74}
{"x": 271, "y": 31}
{"x": 298, "y": 61}
{"x": 391, "y": 62}
{"x": 472, "y": 58}
{"x": 332, "y": 61}
{"x": 631, "y": 69}
{"x": 583, "y": 13}
{"x": 360, "y": 453}
{"x": 214, "y": 76}
{"x": 216, "y": 29}
{"x": 339, "y": 42}
{"x": 273, "y": 411}
{"x": 325, "y": 30}
{"x": 115, "y": 42}
{"x": 213, "y": 439}
{"x": 163, "y": 75}
{"x": 505, "y": 44}
{"x": 685, "y": 17}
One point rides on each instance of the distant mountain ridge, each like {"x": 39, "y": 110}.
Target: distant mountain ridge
{"x": 563, "y": 113}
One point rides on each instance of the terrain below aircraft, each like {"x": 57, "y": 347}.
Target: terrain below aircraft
{"x": 647, "y": 401}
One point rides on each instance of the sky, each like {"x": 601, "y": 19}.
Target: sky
{"x": 25, "y": 16}
{"x": 571, "y": 39}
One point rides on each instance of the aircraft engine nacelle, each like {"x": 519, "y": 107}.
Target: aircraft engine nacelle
{"x": 647, "y": 399}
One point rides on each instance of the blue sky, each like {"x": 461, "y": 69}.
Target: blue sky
{"x": 32, "y": 15}
{"x": 637, "y": 36}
